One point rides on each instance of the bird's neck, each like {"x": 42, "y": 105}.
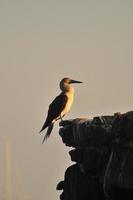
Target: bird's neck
{"x": 70, "y": 91}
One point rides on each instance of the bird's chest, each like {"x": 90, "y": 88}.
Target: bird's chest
{"x": 68, "y": 104}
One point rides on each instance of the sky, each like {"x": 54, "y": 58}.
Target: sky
{"x": 40, "y": 43}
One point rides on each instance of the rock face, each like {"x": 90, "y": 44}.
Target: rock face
{"x": 103, "y": 152}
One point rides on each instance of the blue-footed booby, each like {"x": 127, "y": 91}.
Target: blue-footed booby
{"x": 60, "y": 105}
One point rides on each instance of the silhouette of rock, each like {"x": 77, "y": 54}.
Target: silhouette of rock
{"x": 103, "y": 152}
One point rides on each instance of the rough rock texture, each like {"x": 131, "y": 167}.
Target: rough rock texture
{"x": 103, "y": 152}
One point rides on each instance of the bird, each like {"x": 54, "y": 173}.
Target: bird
{"x": 60, "y": 105}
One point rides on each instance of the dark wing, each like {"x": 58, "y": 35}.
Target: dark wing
{"x": 55, "y": 109}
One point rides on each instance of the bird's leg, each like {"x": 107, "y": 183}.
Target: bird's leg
{"x": 61, "y": 118}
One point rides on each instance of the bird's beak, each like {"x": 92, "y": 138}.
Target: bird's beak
{"x": 74, "y": 81}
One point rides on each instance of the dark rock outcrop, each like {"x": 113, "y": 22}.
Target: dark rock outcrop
{"x": 103, "y": 152}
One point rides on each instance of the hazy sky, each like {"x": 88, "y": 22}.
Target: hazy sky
{"x": 40, "y": 43}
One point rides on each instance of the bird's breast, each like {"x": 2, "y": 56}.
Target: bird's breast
{"x": 69, "y": 102}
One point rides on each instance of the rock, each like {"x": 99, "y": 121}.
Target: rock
{"x": 103, "y": 152}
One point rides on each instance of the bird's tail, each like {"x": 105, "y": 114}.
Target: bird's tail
{"x": 50, "y": 127}
{"x": 44, "y": 126}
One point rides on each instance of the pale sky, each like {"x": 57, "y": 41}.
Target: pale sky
{"x": 40, "y": 43}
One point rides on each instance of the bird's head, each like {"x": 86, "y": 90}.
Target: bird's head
{"x": 65, "y": 84}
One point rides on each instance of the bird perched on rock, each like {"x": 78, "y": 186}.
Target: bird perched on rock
{"x": 60, "y": 105}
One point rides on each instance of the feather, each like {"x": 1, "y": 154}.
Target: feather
{"x": 48, "y": 132}
{"x": 55, "y": 109}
